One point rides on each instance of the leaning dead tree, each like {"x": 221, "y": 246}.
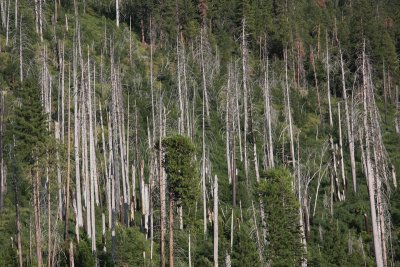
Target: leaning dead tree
{"x": 375, "y": 160}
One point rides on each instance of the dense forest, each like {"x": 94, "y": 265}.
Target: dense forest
{"x": 199, "y": 133}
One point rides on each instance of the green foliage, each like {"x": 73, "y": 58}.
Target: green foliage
{"x": 180, "y": 167}
{"x": 244, "y": 248}
{"x": 83, "y": 254}
{"x": 28, "y": 131}
{"x": 280, "y": 24}
{"x": 282, "y": 218}
{"x": 131, "y": 246}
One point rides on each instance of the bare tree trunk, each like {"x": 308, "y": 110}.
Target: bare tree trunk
{"x": 21, "y": 73}
{"x": 48, "y": 223}
{"x": 203, "y": 70}
{"x": 231, "y": 244}
{"x": 238, "y": 112}
{"x": 255, "y": 156}
{"x": 316, "y": 82}
{"x": 110, "y": 174}
{"x": 369, "y": 169}
{"x": 77, "y": 126}
{"x": 117, "y": 12}
{"x": 68, "y": 167}
{"x": 227, "y": 130}
{"x": 203, "y": 170}
{"x": 8, "y": 21}
{"x": 269, "y": 150}
{"x": 289, "y": 113}
{"x": 245, "y": 99}
{"x": 215, "y": 221}
{"x": 3, "y": 6}
{"x": 40, "y": 21}
{"x": 189, "y": 252}
{"x": 181, "y": 122}
{"x": 343, "y": 193}
{"x": 71, "y": 255}
{"x": 37, "y": 16}
{"x": 162, "y": 199}
{"x": 328, "y": 81}
{"x": 259, "y": 247}
{"x": 350, "y": 134}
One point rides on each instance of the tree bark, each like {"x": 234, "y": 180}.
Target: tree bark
{"x": 350, "y": 134}
{"x": 215, "y": 221}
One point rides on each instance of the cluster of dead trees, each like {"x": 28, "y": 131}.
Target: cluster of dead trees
{"x": 114, "y": 175}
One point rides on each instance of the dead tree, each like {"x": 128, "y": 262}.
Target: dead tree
{"x": 350, "y": 134}
{"x": 245, "y": 99}
{"x": 215, "y": 219}
{"x": 371, "y": 172}
{"x": 268, "y": 144}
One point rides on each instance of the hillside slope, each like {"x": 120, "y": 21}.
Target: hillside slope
{"x": 199, "y": 133}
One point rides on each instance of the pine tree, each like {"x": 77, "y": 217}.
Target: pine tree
{"x": 284, "y": 246}
{"x": 28, "y": 131}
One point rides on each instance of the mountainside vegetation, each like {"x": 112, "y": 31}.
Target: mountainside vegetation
{"x": 199, "y": 133}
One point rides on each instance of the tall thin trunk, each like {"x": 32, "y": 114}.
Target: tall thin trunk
{"x": 215, "y": 219}
{"x": 255, "y": 156}
{"x": 268, "y": 145}
{"x": 181, "y": 122}
{"x": 343, "y": 193}
{"x": 189, "y": 252}
{"x": 370, "y": 173}
{"x": 77, "y": 126}
{"x": 258, "y": 241}
{"x": 350, "y": 134}
{"x": 245, "y": 101}
{"x": 289, "y": 113}
{"x": 68, "y": 167}
{"x": 203, "y": 71}
{"x": 40, "y": 20}
{"x": 203, "y": 169}
{"x": 117, "y": 12}
{"x": 162, "y": 198}
{"x": 328, "y": 82}
{"x": 8, "y": 21}
{"x": 21, "y": 73}
{"x": 238, "y": 112}
{"x": 227, "y": 130}
{"x": 48, "y": 222}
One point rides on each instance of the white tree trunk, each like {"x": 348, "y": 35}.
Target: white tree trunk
{"x": 215, "y": 221}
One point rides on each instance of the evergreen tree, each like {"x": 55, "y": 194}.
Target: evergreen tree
{"x": 180, "y": 168}
{"x": 284, "y": 247}
{"x": 28, "y": 132}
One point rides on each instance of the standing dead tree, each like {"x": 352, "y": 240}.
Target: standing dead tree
{"x": 376, "y": 165}
{"x": 245, "y": 98}
{"x": 350, "y": 134}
